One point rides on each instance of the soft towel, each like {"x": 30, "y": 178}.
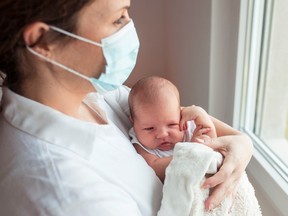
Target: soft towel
{"x": 182, "y": 192}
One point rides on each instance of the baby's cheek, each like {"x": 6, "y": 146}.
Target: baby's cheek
{"x": 179, "y": 135}
{"x": 147, "y": 140}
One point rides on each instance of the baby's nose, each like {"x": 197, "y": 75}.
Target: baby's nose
{"x": 163, "y": 132}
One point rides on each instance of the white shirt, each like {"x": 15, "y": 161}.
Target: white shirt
{"x": 53, "y": 164}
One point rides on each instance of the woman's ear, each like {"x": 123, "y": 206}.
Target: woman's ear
{"x": 131, "y": 119}
{"x": 33, "y": 34}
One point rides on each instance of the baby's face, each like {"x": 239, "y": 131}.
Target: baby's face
{"x": 157, "y": 126}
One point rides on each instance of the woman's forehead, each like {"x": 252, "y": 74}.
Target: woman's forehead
{"x": 110, "y": 6}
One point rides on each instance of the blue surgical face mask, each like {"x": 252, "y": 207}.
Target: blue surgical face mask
{"x": 120, "y": 51}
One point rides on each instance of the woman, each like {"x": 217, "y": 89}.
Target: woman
{"x": 64, "y": 148}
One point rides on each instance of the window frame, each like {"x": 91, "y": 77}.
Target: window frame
{"x": 265, "y": 168}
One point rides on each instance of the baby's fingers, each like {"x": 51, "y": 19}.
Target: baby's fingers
{"x": 183, "y": 125}
{"x": 204, "y": 130}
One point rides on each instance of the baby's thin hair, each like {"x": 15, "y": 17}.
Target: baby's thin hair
{"x": 149, "y": 90}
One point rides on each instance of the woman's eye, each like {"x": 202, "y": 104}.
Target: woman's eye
{"x": 120, "y": 21}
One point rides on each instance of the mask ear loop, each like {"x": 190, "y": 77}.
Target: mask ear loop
{"x": 56, "y": 63}
{"x": 75, "y": 36}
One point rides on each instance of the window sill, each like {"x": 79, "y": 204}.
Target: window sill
{"x": 280, "y": 147}
{"x": 272, "y": 184}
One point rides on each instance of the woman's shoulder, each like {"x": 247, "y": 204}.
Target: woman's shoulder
{"x": 120, "y": 94}
{"x": 119, "y": 97}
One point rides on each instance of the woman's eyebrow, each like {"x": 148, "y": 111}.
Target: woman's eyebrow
{"x": 127, "y": 7}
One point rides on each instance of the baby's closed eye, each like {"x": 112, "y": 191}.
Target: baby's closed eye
{"x": 148, "y": 128}
{"x": 176, "y": 125}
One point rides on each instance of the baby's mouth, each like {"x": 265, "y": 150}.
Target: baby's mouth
{"x": 165, "y": 146}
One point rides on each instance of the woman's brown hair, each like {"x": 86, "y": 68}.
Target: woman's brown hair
{"x": 16, "y": 15}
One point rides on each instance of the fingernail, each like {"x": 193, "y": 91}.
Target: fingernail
{"x": 211, "y": 207}
{"x": 200, "y": 140}
{"x": 206, "y": 186}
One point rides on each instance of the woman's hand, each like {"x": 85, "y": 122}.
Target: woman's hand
{"x": 237, "y": 152}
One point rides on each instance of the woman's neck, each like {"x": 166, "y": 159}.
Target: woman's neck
{"x": 68, "y": 100}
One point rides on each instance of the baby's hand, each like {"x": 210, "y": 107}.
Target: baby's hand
{"x": 201, "y": 138}
{"x": 201, "y": 118}
{"x": 200, "y": 130}
{"x": 190, "y": 113}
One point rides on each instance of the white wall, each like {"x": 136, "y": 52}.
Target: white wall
{"x": 149, "y": 21}
{"x": 194, "y": 44}
{"x": 175, "y": 43}
{"x": 223, "y": 56}
{"x": 187, "y": 48}
{"x": 190, "y": 44}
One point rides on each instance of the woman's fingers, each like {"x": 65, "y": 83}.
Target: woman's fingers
{"x": 225, "y": 181}
{"x": 219, "y": 193}
{"x": 225, "y": 172}
{"x": 222, "y": 184}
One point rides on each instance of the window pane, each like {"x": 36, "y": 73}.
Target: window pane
{"x": 264, "y": 99}
{"x": 272, "y": 99}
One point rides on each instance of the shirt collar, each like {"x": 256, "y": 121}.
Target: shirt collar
{"x": 49, "y": 124}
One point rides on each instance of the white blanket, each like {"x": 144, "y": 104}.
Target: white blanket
{"x": 182, "y": 192}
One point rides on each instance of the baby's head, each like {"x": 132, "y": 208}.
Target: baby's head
{"x": 155, "y": 113}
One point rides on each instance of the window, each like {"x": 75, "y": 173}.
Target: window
{"x": 264, "y": 110}
{"x": 263, "y": 90}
